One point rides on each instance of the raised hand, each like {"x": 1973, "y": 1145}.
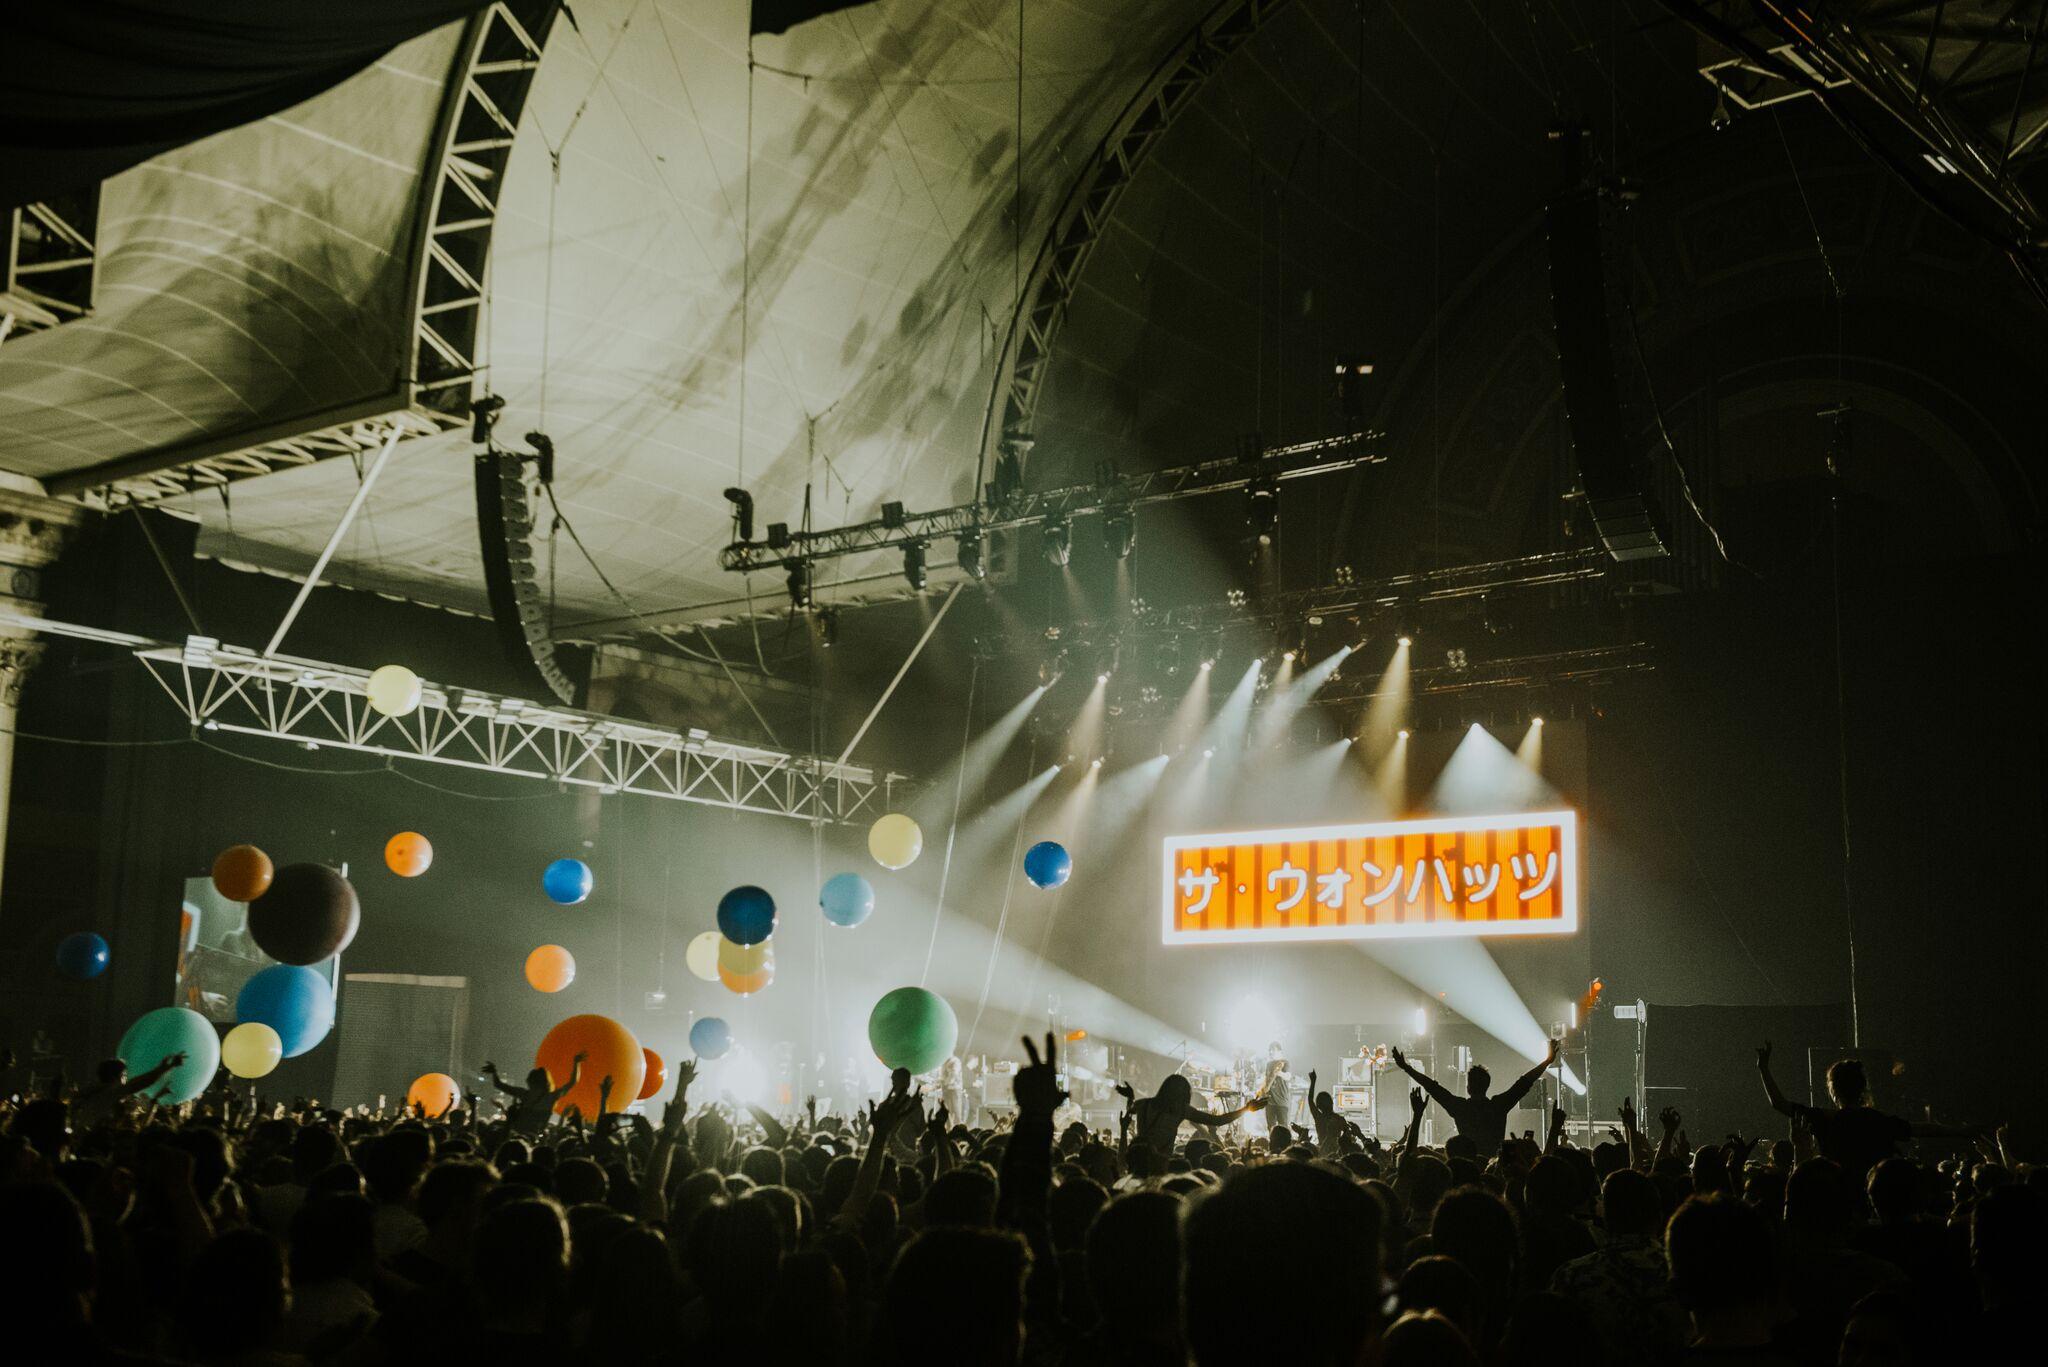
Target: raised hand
{"x": 1037, "y": 1085}
{"x": 1418, "y": 1100}
{"x": 604, "y": 1094}
{"x": 490, "y": 1068}
{"x": 686, "y": 1073}
{"x": 1126, "y": 1091}
{"x": 1670, "y": 1119}
{"x": 1400, "y": 1059}
{"x": 1628, "y": 1113}
{"x": 580, "y": 1057}
{"x": 1311, "y": 1087}
{"x": 1763, "y": 1054}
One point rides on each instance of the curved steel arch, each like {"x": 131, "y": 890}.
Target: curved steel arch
{"x": 1089, "y": 205}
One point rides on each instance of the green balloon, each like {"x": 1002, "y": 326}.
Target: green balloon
{"x": 912, "y": 1028}
{"x": 172, "y": 1030}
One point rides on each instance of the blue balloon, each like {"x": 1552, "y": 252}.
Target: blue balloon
{"x": 847, "y": 899}
{"x": 710, "y": 1037}
{"x": 294, "y": 1001}
{"x": 83, "y": 955}
{"x": 567, "y": 881}
{"x": 746, "y": 915}
{"x": 1047, "y": 864}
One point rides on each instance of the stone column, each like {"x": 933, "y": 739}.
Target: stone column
{"x": 33, "y": 529}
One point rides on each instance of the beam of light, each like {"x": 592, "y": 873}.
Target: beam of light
{"x": 1463, "y": 976}
{"x": 1290, "y": 696}
{"x": 934, "y": 808}
{"x": 1186, "y": 725}
{"x": 1084, "y": 737}
{"x": 1226, "y": 730}
{"x": 1387, "y": 711}
{"x": 1186, "y": 783}
{"x": 1121, "y": 802}
{"x": 1530, "y": 751}
{"x": 1065, "y": 825}
{"x": 1484, "y": 777}
{"x": 1390, "y": 781}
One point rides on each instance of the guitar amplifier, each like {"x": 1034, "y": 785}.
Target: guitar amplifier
{"x": 1350, "y": 1100}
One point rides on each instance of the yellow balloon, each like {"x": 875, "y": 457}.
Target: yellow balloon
{"x": 394, "y": 690}
{"x": 743, "y": 960}
{"x": 702, "y": 956}
{"x": 251, "y": 1049}
{"x": 895, "y": 841}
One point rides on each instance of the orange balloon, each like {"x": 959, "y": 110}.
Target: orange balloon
{"x": 657, "y": 1073}
{"x": 747, "y": 984}
{"x": 437, "y": 1092}
{"x": 242, "y": 873}
{"x": 550, "y": 968}
{"x": 408, "y": 854}
{"x": 609, "y": 1049}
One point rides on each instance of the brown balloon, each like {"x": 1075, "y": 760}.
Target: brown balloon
{"x": 310, "y": 913}
{"x": 242, "y": 873}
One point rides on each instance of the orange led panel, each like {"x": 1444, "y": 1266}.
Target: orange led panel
{"x": 1375, "y": 880}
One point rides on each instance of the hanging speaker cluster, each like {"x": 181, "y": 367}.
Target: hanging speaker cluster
{"x": 504, "y": 523}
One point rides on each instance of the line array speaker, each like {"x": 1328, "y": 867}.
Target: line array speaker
{"x": 504, "y": 523}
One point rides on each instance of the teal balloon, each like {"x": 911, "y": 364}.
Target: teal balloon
{"x": 567, "y": 881}
{"x": 847, "y": 899}
{"x": 710, "y": 1037}
{"x": 83, "y": 955}
{"x": 746, "y": 915}
{"x": 1047, "y": 864}
{"x": 296, "y": 1002}
{"x": 912, "y": 1028}
{"x": 172, "y": 1030}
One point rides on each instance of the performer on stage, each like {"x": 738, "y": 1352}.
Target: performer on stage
{"x": 1158, "y": 1118}
{"x": 1274, "y": 1087}
{"x": 953, "y": 1090}
{"x": 1480, "y": 1118}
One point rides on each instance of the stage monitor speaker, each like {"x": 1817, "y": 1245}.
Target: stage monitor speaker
{"x": 504, "y": 524}
{"x": 1583, "y": 304}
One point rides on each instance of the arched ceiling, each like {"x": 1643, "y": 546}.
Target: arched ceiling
{"x": 880, "y": 274}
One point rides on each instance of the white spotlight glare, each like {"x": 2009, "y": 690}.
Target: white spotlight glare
{"x": 1102, "y": 678}
{"x": 1421, "y": 1021}
{"x": 1405, "y": 641}
{"x": 1535, "y": 721}
{"x": 1095, "y": 763}
{"x": 1208, "y": 754}
{"x": 1402, "y": 734}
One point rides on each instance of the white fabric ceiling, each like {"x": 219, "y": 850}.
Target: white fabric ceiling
{"x": 881, "y": 275}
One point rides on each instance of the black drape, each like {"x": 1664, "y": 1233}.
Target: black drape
{"x": 777, "y": 16}
{"x": 91, "y": 87}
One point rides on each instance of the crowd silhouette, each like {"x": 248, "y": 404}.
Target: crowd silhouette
{"x": 229, "y": 1231}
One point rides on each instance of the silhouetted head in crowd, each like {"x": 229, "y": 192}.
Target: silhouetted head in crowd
{"x": 1427, "y": 1339}
{"x": 1278, "y": 1235}
{"x": 1477, "y": 1081}
{"x": 522, "y": 1256}
{"x": 1723, "y": 1268}
{"x": 1477, "y": 1228}
{"x": 964, "y": 1196}
{"x": 580, "y": 1180}
{"x": 1444, "y": 1286}
{"x": 53, "y": 1283}
{"x": 1846, "y": 1083}
{"x": 1629, "y": 1206}
{"x": 2009, "y": 1246}
{"x": 1071, "y": 1208}
{"x": 1887, "y": 1329}
{"x": 955, "y": 1296}
{"x": 1895, "y": 1190}
{"x": 1134, "y": 1266}
{"x": 333, "y": 1235}
{"x": 1176, "y": 1090}
{"x": 235, "y": 1296}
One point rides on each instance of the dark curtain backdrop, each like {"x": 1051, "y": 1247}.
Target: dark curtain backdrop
{"x": 92, "y": 87}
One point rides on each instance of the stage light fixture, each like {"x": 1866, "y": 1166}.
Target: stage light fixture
{"x": 742, "y": 513}
{"x": 1208, "y": 754}
{"x": 1208, "y": 663}
{"x": 1095, "y": 763}
{"x": 892, "y": 514}
{"x": 483, "y": 416}
{"x": 778, "y": 535}
{"x": 799, "y": 581}
{"x": 1102, "y": 678}
{"x": 914, "y": 572}
{"x": 1402, "y": 734}
{"x": 1404, "y": 640}
{"x": 1057, "y": 542}
{"x": 1535, "y": 721}
{"x": 1119, "y": 532}
{"x": 1051, "y": 667}
{"x": 828, "y": 628}
{"x": 969, "y": 555}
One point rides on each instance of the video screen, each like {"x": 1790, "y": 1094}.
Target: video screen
{"x": 216, "y": 953}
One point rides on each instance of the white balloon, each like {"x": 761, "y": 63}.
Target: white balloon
{"x": 394, "y": 690}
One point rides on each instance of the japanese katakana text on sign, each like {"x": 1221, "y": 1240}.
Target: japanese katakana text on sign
{"x": 1489, "y": 875}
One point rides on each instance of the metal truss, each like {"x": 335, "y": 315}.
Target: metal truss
{"x": 146, "y": 480}
{"x": 51, "y": 265}
{"x": 454, "y": 221}
{"x": 224, "y": 688}
{"x": 1090, "y": 204}
{"x": 1959, "y": 91}
{"x": 1111, "y": 492}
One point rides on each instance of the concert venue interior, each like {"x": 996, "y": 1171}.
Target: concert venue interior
{"x": 1550, "y": 495}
